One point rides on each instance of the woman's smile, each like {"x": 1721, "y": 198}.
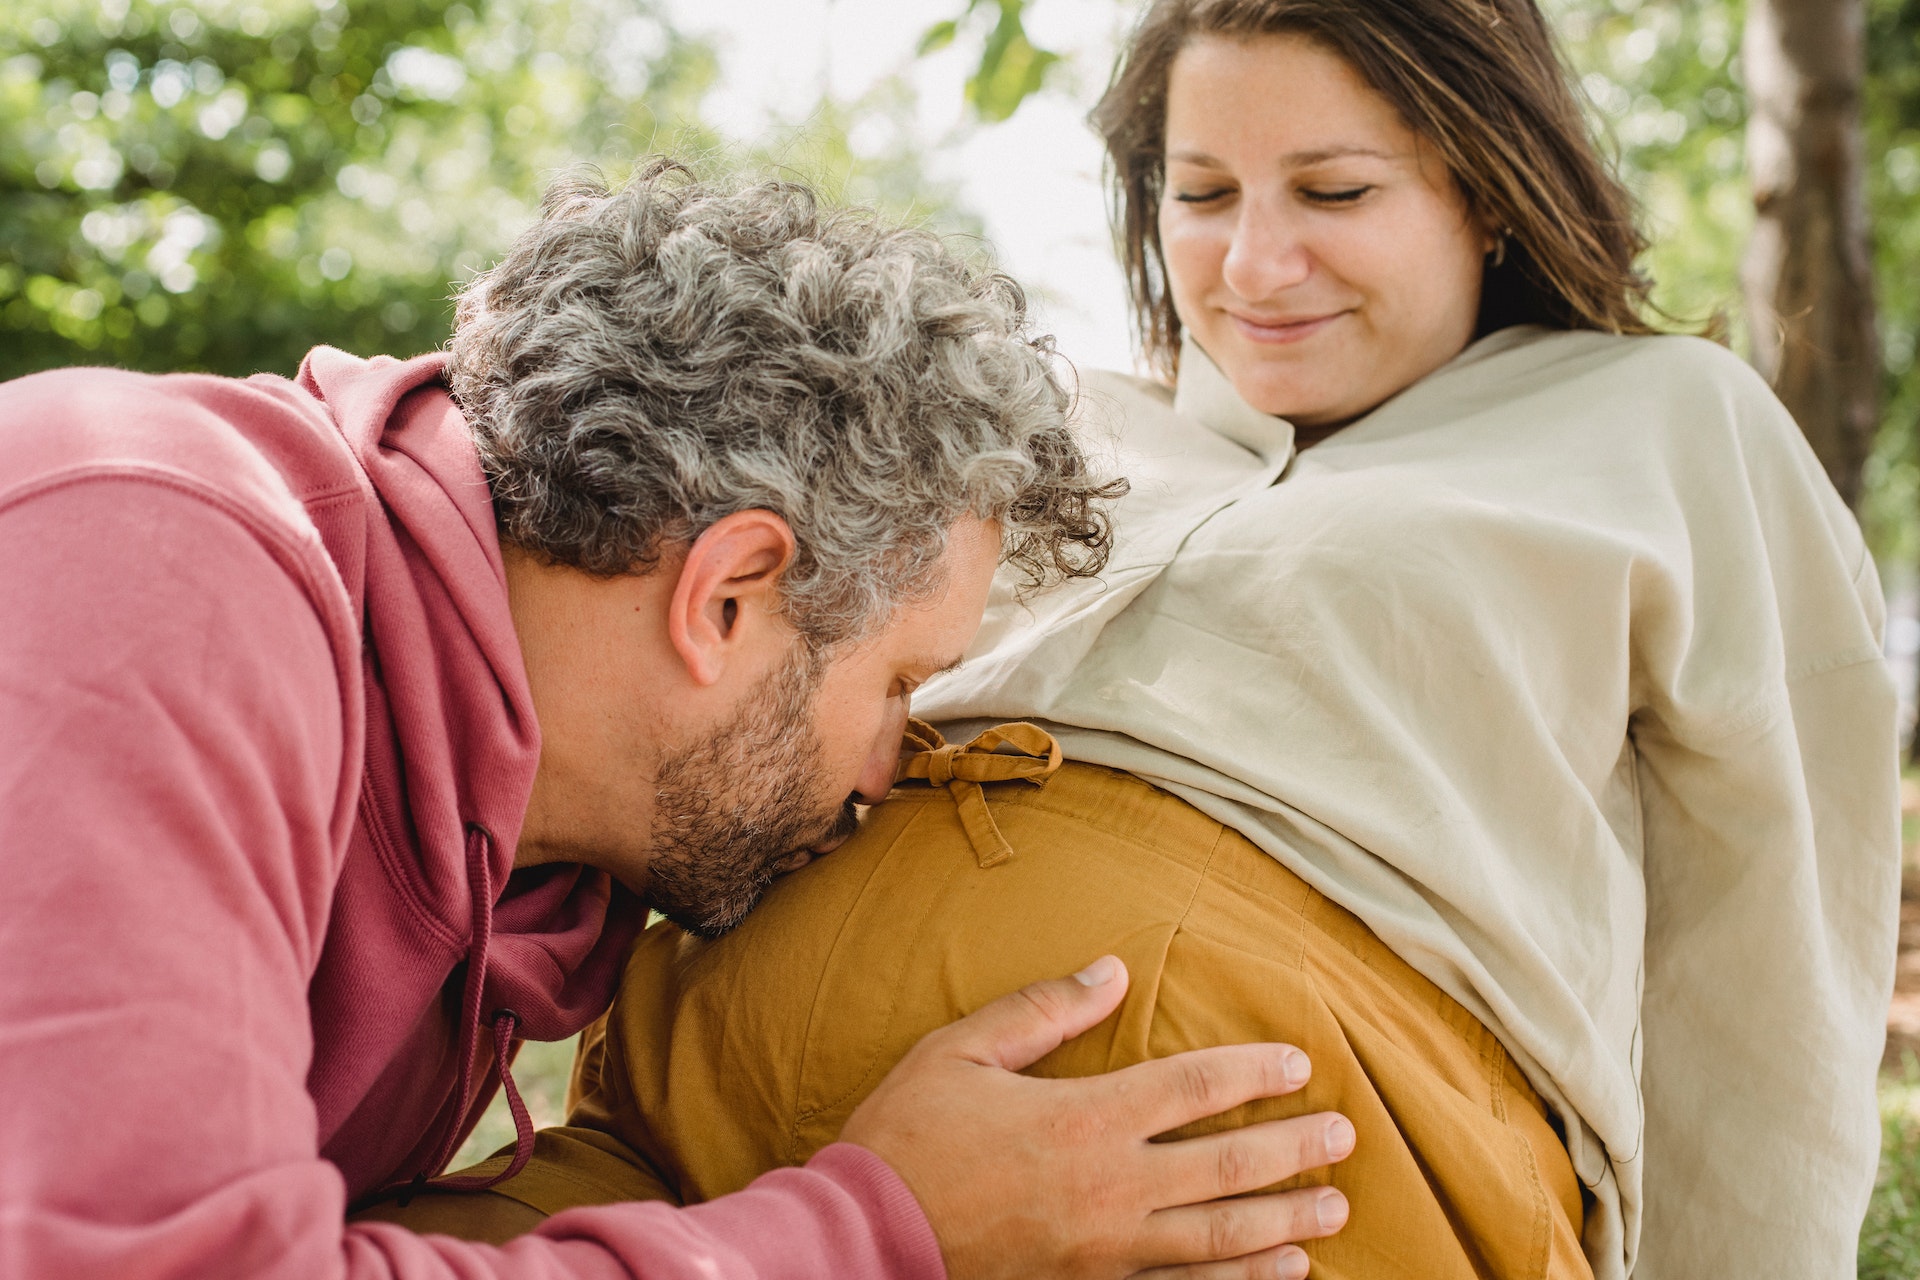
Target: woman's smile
{"x": 1284, "y": 331}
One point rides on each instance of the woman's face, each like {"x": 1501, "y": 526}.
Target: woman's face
{"x": 1316, "y": 247}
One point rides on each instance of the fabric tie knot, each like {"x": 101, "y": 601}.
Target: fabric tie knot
{"x": 1018, "y": 752}
{"x": 940, "y": 763}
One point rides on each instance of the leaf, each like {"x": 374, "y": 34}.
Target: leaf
{"x": 1012, "y": 67}
{"x": 937, "y": 37}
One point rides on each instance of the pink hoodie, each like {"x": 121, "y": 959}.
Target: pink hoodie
{"x": 267, "y": 745}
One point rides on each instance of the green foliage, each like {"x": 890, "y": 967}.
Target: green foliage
{"x": 223, "y": 186}
{"x": 1662, "y": 85}
{"x": 1893, "y": 190}
{"x": 937, "y": 37}
{"x": 1011, "y": 67}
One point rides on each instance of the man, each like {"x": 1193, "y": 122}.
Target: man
{"x": 349, "y": 722}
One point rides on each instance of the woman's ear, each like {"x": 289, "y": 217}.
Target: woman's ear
{"x": 727, "y": 591}
{"x": 1494, "y": 236}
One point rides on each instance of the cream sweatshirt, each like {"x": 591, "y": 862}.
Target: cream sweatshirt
{"x": 1562, "y": 670}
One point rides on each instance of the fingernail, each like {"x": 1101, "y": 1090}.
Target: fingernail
{"x": 1293, "y": 1265}
{"x": 1332, "y": 1210}
{"x": 1296, "y": 1068}
{"x": 1099, "y": 973}
{"x": 1339, "y": 1137}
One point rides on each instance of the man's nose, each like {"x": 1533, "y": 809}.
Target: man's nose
{"x": 876, "y": 776}
{"x": 883, "y": 760}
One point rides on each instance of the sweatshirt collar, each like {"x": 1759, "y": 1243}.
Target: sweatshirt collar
{"x": 1206, "y": 395}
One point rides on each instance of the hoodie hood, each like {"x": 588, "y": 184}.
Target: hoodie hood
{"x": 434, "y": 609}
{"x": 452, "y": 746}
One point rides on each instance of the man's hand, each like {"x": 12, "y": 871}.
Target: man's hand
{"x": 1023, "y": 1177}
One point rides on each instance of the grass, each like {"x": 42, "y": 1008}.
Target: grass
{"x": 1890, "y": 1239}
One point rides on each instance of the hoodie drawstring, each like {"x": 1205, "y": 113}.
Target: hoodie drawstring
{"x": 480, "y": 878}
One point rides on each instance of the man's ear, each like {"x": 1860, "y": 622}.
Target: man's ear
{"x": 729, "y": 584}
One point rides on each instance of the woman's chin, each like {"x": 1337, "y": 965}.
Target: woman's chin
{"x": 1298, "y": 401}
{"x": 1314, "y": 392}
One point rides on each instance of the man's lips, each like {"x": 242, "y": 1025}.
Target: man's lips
{"x": 845, "y": 823}
{"x": 1281, "y": 331}
{"x": 799, "y": 858}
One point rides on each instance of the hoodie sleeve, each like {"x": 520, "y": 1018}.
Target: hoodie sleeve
{"x": 170, "y": 783}
{"x": 846, "y": 1215}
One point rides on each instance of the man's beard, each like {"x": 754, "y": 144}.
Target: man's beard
{"x": 730, "y": 809}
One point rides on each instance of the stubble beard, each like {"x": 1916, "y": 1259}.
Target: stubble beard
{"x": 730, "y": 807}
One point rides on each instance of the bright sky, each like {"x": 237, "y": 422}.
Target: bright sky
{"x": 1034, "y": 180}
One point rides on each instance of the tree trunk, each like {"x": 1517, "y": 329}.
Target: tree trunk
{"x": 1809, "y": 267}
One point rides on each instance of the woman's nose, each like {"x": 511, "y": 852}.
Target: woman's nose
{"x": 1267, "y": 255}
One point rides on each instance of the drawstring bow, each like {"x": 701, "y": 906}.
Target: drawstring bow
{"x": 1005, "y": 753}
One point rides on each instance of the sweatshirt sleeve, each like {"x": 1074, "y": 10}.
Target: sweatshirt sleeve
{"x": 173, "y": 753}
{"x": 1771, "y": 838}
{"x": 845, "y": 1215}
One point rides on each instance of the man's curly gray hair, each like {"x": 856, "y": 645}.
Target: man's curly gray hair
{"x": 648, "y": 360}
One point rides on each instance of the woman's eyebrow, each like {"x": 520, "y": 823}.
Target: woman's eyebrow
{"x": 1296, "y": 159}
{"x": 1292, "y": 159}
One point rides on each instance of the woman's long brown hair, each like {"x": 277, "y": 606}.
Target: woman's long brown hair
{"x": 1478, "y": 80}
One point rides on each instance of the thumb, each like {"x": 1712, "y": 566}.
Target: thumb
{"x": 1018, "y": 1030}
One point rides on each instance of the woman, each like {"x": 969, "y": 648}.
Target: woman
{"x": 1507, "y": 677}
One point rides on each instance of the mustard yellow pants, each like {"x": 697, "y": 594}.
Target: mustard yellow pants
{"x": 722, "y": 1060}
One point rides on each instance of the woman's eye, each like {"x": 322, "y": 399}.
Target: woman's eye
{"x": 1342, "y": 195}
{"x": 1202, "y": 197}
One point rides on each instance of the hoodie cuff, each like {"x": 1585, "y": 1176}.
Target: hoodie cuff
{"x": 901, "y": 1230}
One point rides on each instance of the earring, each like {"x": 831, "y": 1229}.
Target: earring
{"x": 1499, "y": 253}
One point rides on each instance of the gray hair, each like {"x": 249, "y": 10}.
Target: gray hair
{"x": 648, "y": 360}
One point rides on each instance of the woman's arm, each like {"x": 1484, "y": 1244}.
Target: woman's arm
{"x": 1772, "y": 882}
{"x": 1768, "y": 778}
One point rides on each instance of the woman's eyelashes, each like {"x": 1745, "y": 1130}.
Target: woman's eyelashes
{"x": 1342, "y": 195}
{"x": 1322, "y": 196}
